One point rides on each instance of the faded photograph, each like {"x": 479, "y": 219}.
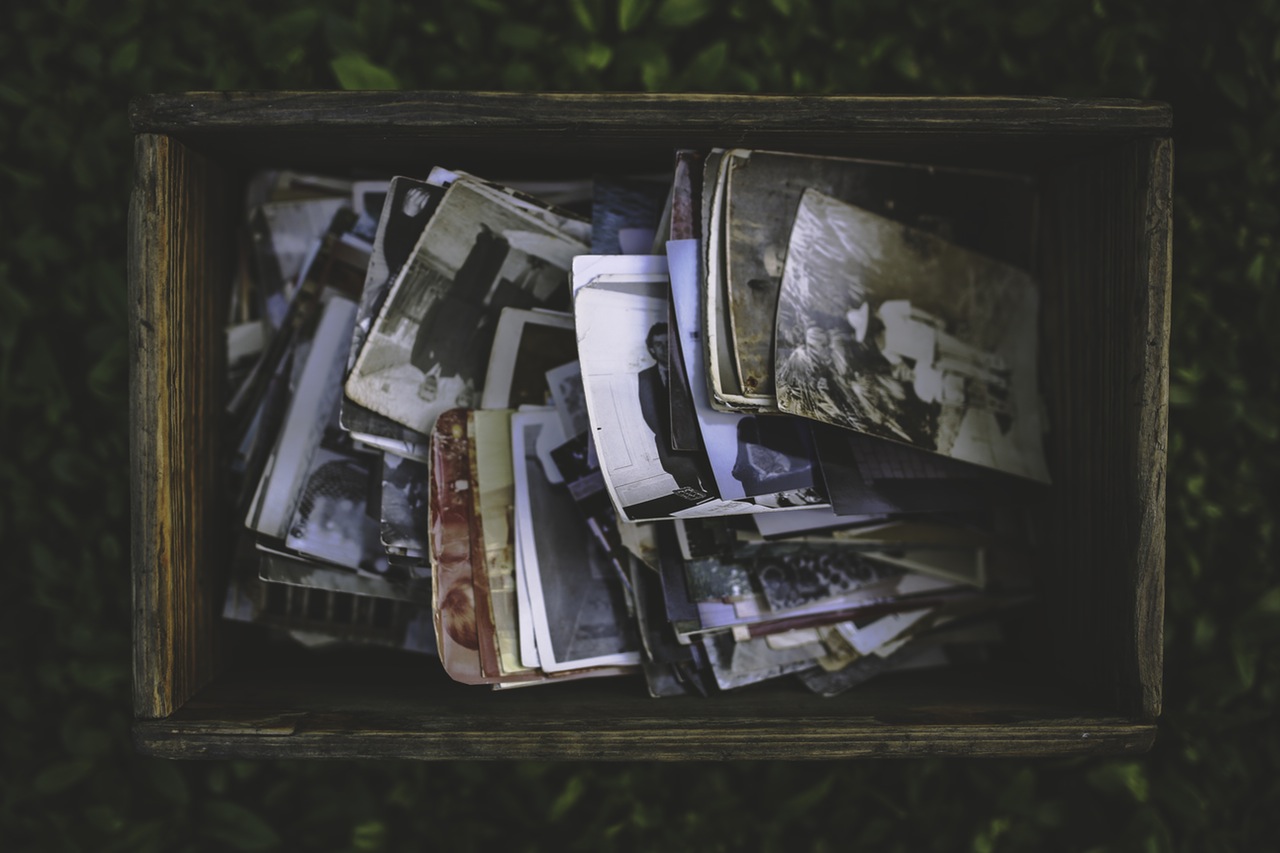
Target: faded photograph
{"x": 983, "y": 211}
{"x": 429, "y": 348}
{"x": 893, "y": 332}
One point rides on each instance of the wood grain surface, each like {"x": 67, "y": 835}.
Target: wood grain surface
{"x": 178, "y": 266}
{"x": 385, "y": 712}
{"x": 1105, "y": 265}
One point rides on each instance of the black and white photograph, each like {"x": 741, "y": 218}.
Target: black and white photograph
{"x": 568, "y": 397}
{"x": 285, "y": 235}
{"x": 539, "y": 200}
{"x": 987, "y": 212}
{"x": 408, "y": 205}
{"x": 625, "y": 214}
{"x": 527, "y": 345}
{"x": 726, "y": 391}
{"x": 580, "y": 612}
{"x": 846, "y": 456}
{"x": 333, "y": 522}
{"x": 622, "y": 343}
{"x": 737, "y": 664}
{"x": 750, "y": 455}
{"x": 398, "y": 585}
{"x": 792, "y": 577}
{"x": 890, "y": 331}
{"x": 404, "y": 504}
{"x": 306, "y": 421}
{"x": 428, "y": 350}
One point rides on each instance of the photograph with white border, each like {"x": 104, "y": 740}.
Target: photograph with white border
{"x": 581, "y": 616}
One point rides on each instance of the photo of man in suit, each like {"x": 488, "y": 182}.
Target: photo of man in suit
{"x": 655, "y": 405}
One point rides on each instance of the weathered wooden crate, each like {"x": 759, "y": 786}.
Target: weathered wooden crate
{"x": 1085, "y": 678}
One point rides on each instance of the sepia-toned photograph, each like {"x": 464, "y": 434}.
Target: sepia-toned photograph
{"x": 896, "y": 333}
{"x": 453, "y": 592}
{"x": 493, "y": 508}
{"x": 579, "y": 603}
{"x": 428, "y": 351}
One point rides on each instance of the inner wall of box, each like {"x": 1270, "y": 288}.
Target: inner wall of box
{"x": 1088, "y": 226}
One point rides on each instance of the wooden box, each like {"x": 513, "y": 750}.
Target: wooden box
{"x": 1086, "y": 678}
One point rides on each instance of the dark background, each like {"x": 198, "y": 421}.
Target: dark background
{"x": 70, "y": 779}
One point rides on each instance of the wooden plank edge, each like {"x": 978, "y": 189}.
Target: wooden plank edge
{"x": 153, "y": 615}
{"x": 166, "y": 739}
{"x": 1153, "y": 432}
{"x": 318, "y": 111}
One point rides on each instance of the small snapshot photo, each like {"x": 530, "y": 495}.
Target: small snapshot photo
{"x": 577, "y": 596}
{"x": 570, "y": 401}
{"x": 623, "y": 341}
{"x": 332, "y": 521}
{"x": 526, "y": 346}
{"x": 404, "y": 504}
{"x": 890, "y": 331}
{"x": 774, "y": 455}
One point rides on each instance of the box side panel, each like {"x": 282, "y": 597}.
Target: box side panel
{"x": 177, "y": 274}
{"x": 1106, "y": 331}
{"x": 504, "y": 112}
{"x": 1149, "y": 358}
{"x": 556, "y": 134}
{"x": 351, "y": 710}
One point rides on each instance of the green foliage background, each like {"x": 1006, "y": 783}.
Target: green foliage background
{"x": 69, "y": 779}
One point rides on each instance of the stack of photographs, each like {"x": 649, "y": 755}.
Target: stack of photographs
{"x": 774, "y": 415}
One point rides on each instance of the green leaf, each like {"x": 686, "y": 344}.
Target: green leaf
{"x": 57, "y": 778}
{"x": 1035, "y": 20}
{"x": 598, "y": 56}
{"x": 572, "y": 792}
{"x": 124, "y": 58}
{"x": 1233, "y": 87}
{"x": 519, "y": 36}
{"x": 631, "y": 13}
{"x": 583, "y": 15}
{"x": 369, "y": 836}
{"x": 705, "y": 68}
{"x": 805, "y": 802}
{"x": 237, "y": 827}
{"x": 168, "y": 781}
{"x": 655, "y": 72}
{"x": 1116, "y": 777}
{"x": 1270, "y": 601}
{"x": 682, "y": 13}
{"x": 355, "y": 71}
